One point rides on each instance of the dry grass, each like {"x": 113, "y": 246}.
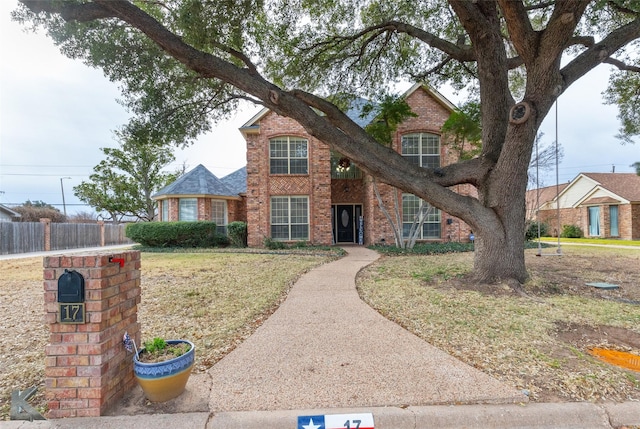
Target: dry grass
{"x": 214, "y": 299}
{"x": 512, "y": 337}
{"x": 218, "y": 299}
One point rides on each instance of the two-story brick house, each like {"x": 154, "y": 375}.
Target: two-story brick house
{"x": 299, "y": 190}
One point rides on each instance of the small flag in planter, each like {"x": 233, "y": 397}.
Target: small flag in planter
{"x": 128, "y": 342}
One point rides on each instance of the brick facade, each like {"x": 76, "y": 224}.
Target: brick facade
{"x": 236, "y": 209}
{"x": 606, "y": 192}
{"x": 628, "y": 221}
{"x": 323, "y": 192}
{"x": 87, "y": 369}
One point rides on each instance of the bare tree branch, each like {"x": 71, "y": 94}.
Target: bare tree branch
{"x": 621, "y": 65}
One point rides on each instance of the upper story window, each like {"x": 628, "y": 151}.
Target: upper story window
{"x": 188, "y": 209}
{"x": 422, "y": 149}
{"x": 288, "y": 155}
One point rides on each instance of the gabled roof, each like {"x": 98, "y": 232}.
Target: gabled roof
{"x": 236, "y": 181}
{"x": 8, "y": 211}
{"x": 355, "y": 109}
{"x": 197, "y": 182}
{"x": 546, "y": 195}
{"x": 625, "y": 185}
{"x": 433, "y": 93}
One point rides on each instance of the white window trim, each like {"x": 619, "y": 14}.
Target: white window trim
{"x": 420, "y": 154}
{"x": 436, "y": 222}
{"x": 289, "y": 224}
{"x": 180, "y": 215}
{"x": 289, "y": 157}
{"x": 165, "y": 210}
{"x": 224, "y": 214}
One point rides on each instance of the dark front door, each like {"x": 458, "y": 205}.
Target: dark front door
{"x": 344, "y": 224}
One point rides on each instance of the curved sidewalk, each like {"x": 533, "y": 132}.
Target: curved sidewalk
{"x": 325, "y": 348}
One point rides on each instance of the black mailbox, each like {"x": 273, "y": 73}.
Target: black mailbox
{"x": 71, "y": 287}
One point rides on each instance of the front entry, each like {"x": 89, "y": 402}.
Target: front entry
{"x": 345, "y": 225}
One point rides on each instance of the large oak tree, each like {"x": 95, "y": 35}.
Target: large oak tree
{"x": 182, "y": 63}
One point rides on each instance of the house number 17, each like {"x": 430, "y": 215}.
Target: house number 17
{"x": 72, "y": 313}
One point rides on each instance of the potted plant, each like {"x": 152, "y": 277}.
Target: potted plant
{"x": 162, "y": 368}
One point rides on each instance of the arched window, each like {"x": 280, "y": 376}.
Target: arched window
{"x": 288, "y": 155}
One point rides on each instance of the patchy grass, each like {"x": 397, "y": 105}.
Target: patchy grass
{"x": 213, "y": 299}
{"x": 515, "y": 338}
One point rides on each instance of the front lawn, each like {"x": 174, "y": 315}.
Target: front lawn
{"x": 215, "y": 300}
{"x": 538, "y": 340}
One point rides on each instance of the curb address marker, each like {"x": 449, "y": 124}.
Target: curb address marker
{"x": 336, "y": 421}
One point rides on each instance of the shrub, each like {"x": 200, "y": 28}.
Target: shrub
{"x": 531, "y": 233}
{"x": 272, "y": 244}
{"x": 31, "y": 213}
{"x": 571, "y": 231}
{"x": 237, "y": 232}
{"x": 176, "y": 234}
{"x": 426, "y": 248}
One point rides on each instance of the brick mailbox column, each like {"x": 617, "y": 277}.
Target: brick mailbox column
{"x": 87, "y": 369}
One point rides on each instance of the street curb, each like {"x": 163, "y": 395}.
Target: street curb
{"x": 571, "y": 415}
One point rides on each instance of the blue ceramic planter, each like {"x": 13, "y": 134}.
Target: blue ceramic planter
{"x": 165, "y": 380}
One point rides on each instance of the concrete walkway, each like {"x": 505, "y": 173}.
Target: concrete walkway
{"x": 325, "y": 348}
{"x": 326, "y": 352}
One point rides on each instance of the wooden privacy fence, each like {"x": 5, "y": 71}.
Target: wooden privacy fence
{"x": 25, "y": 237}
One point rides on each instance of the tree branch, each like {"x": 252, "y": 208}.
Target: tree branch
{"x": 621, "y": 65}
{"x": 69, "y": 11}
{"x": 600, "y": 52}
{"x": 561, "y": 26}
{"x": 336, "y": 129}
{"x": 523, "y": 37}
{"x": 482, "y": 23}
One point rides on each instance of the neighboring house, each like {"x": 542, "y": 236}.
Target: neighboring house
{"x": 299, "y": 190}
{"x": 605, "y": 205}
{"x": 200, "y": 195}
{"x": 542, "y": 199}
{"x": 8, "y": 215}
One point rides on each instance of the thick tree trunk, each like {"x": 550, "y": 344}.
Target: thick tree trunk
{"x": 499, "y": 252}
{"x": 500, "y": 255}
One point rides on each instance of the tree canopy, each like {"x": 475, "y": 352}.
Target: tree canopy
{"x": 183, "y": 63}
{"x": 122, "y": 184}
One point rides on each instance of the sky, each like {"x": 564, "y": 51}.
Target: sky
{"x": 56, "y": 114}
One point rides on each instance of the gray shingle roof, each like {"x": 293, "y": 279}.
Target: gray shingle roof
{"x": 198, "y": 181}
{"x": 236, "y": 181}
{"x": 354, "y": 112}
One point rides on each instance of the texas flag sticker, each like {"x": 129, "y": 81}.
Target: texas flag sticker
{"x": 336, "y": 421}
